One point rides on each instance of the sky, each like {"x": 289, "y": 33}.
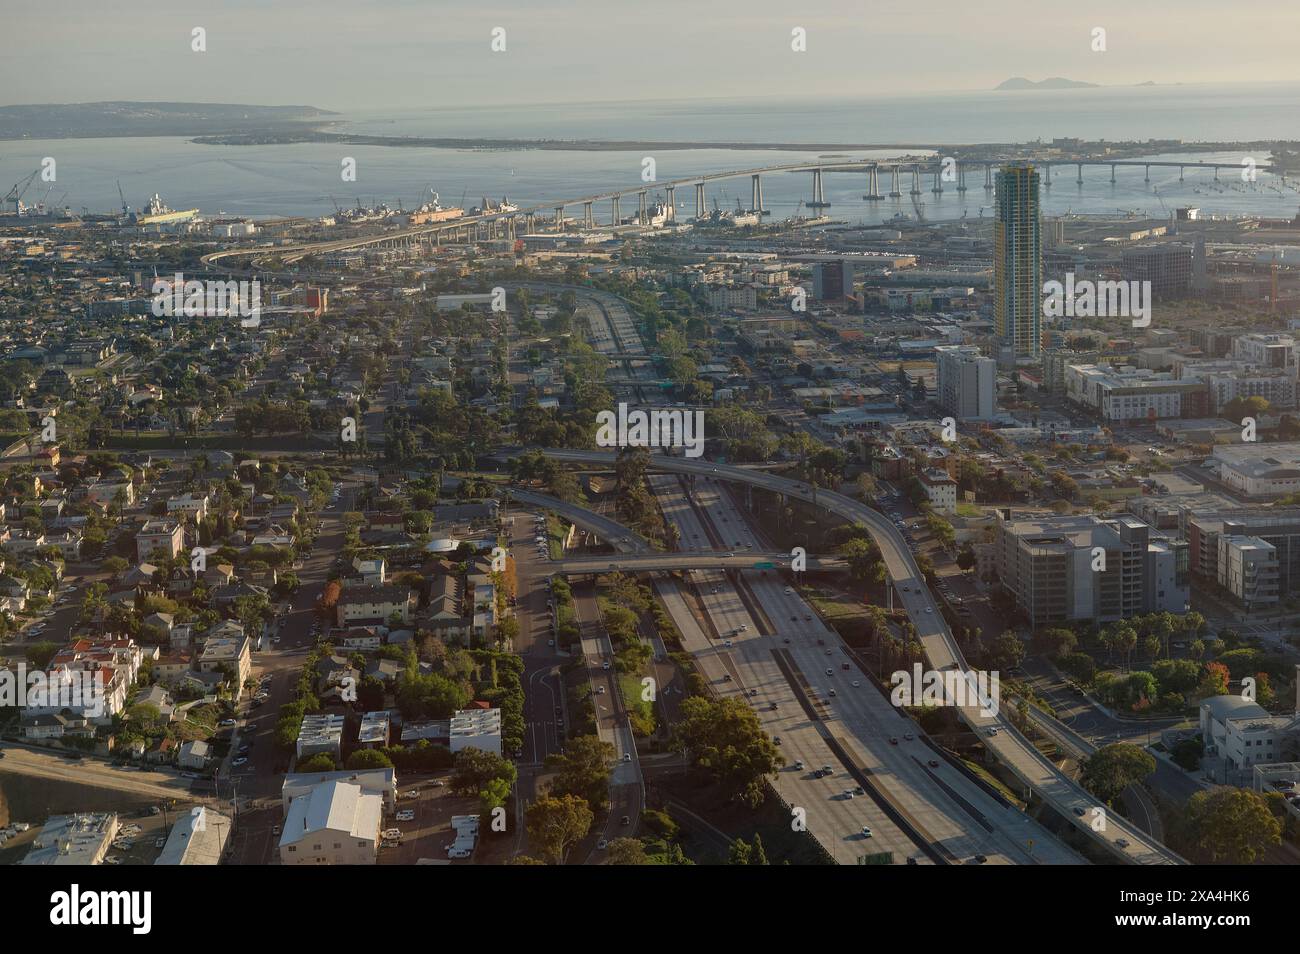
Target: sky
{"x": 353, "y": 55}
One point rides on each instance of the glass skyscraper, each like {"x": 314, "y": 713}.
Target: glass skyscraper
{"x": 1017, "y": 264}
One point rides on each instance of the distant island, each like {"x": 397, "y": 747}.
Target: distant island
{"x": 1054, "y": 82}
{"x": 119, "y": 118}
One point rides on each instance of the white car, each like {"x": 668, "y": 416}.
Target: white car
{"x": 404, "y": 816}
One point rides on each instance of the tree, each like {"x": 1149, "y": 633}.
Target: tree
{"x": 1007, "y": 651}
{"x": 320, "y": 762}
{"x": 1230, "y": 826}
{"x": 1055, "y": 642}
{"x": 363, "y": 759}
{"x": 743, "y": 853}
{"x": 474, "y": 768}
{"x": 724, "y": 739}
{"x": 583, "y": 770}
{"x": 555, "y": 825}
{"x": 626, "y": 851}
{"x": 1113, "y": 768}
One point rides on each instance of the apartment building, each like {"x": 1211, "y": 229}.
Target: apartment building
{"x": 966, "y": 382}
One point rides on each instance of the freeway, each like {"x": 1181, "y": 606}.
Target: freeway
{"x": 692, "y": 560}
{"x": 952, "y": 813}
{"x": 1002, "y": 738}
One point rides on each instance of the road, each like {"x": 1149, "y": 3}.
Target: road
{"x": 1033, "y": 769}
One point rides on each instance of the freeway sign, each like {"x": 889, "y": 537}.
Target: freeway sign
{"x": 765, "y": 565}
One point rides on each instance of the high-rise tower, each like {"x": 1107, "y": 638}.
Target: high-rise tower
{"x": 1017, "y": 264}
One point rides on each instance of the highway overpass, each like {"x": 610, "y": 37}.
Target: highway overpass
{"x": 1021, "y": 757}
{"x": 693, "y": 560}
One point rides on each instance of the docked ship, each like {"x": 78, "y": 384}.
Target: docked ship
{"x": 491, "y": 208}
{"x": 432, "y": 212}
{"x": 157, "y": 213}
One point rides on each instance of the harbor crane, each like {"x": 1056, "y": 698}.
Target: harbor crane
{"x": 15, "y": 195}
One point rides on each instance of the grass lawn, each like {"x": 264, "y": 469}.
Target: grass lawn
{"x": 629, "y": 683}
{"x": 556, "y": 531}
{"x": 969, "y": 510}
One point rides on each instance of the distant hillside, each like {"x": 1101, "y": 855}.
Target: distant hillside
{"x": 66, "y": 120}
{"x": 1055, "y": 82}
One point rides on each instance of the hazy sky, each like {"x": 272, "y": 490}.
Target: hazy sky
{"x": 430, "y": 53}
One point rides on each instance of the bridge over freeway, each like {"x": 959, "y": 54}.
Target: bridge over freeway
{"x": 490, "y": 225}
{"x": 1001, "y": 738}
{"x": 693, "y": 560}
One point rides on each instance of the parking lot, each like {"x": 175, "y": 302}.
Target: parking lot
{"x": 428, "y": 833}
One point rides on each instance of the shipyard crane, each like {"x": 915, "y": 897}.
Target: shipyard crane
{"x": 125, "y": 211}
{"x": 15, "y": 195}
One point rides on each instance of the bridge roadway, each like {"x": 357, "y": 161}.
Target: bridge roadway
{"x": 917, "y": 167}
{"x": 693, "y": 560}
{"x": 1015, "y": 751}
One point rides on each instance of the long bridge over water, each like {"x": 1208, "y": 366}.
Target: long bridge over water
{"x": 913, "y": 171}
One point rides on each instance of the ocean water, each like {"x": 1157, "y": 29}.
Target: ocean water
{"x": 304, "y": 179}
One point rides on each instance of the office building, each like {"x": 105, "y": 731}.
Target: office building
{"x": 1080, "y": 567}
{"x": 1168, "y": 267}
{"x": 832, "y": 281}
{"x": 1248, "y": 569}
{"x": 966, "y": 383}
{"x": 1017, "y": 265}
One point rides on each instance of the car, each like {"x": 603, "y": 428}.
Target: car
{"x": 726, "y": 677}
{"x": 859, "y": 790}
{"x": 866, "y": 831}
{"x": 625, "y": 820}
{"x": 627, "y": 756}
{"x": 856, "y": 683}
{"x": 933, "y": 763}
{"x": 1079, "y": 811}
{"x": 830, "y": 672}
{"x": 929, "y": 609}
{"x": 600, "y": 690}
{"x": 908, "y": 736}
{"x": 753, "y": 692}
{"x": 727, "y": 643}
{"x": 405, "y": 816}
{"x": 831, "y": 693}
{"x": 155, "y": 810}
{"x": 550, "y": 642}
{"x": 605, "y": 665}
{"x": 159, "y": 842}
{"x": 240, "y": 761}
{"x": 602, "y": 845}
{"x": 807, "y": 618}
{"x": 847, "y": 794}
{"x": 413, "y": 793}
{"x": 827, "y": 770}
{"x": 794, "y": 619}
{"x": 774, "y": 706}
{"x": 992, "y": 730}
{"x": 1121, "y": 842}
{"x": 776, "y": 740}
{"x": 979, "y": 859}
{"x": 786, "y": 639}
{"x": 789, "y": 589}
{"x": 893, "y": 740}
{"x": 830, "y": 652}
{"x": 798, "y": 765}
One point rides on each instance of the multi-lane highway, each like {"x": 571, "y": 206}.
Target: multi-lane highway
{"x": 1015, "y": 751}
{"x": 942, "y": 809}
